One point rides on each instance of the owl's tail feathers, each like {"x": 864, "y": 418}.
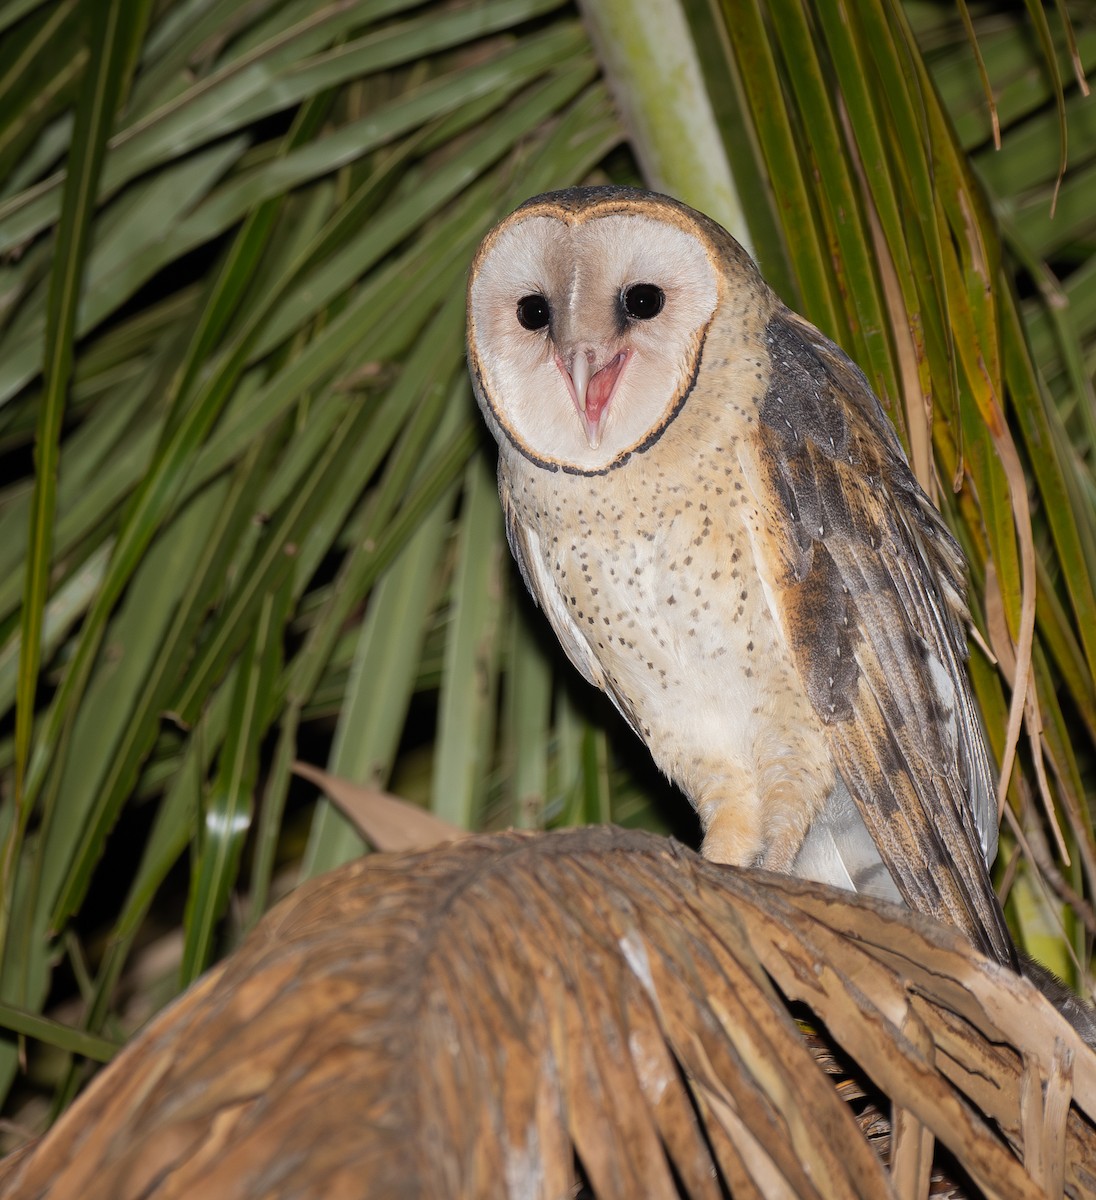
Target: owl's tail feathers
{"x": 838, "y": 850}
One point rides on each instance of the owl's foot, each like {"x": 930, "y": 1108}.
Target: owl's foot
{"x": 733, "y": 836}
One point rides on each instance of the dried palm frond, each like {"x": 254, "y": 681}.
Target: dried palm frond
{"x": 518, "y": 1015}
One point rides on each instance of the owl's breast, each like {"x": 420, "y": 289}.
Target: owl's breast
{"x": 653, "y": 567}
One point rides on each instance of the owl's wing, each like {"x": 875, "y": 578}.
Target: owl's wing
{"x": 867, "y": 585}
{"x": 526, "y": 549}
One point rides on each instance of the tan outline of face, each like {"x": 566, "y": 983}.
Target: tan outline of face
{"x": 558, "y": 208}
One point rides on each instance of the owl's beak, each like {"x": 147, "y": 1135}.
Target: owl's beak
{"x": 592, "y": 387}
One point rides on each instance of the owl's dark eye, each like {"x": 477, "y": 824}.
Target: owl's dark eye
{"x": 533, "y": 311}
{"x": 642, "y": 301}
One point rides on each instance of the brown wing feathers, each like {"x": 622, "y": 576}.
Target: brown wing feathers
{"x": 877, "y": 643}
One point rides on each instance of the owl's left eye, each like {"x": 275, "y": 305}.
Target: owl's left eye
{"x": 533, "y": 312}
{"x": 642, "y": 301}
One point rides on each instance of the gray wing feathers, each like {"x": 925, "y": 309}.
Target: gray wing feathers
{"x": 838, "y": 850}
{"x": 870, "y": 586}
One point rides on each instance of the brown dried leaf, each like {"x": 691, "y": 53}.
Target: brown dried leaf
{"x": 518, "y": 1014}
{"x": 386, "y": 822}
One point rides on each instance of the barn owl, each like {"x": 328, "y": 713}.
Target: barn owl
{"x": 706, "y": 499}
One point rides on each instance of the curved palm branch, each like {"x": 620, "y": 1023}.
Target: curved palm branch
{"x": 515, "y": 1014}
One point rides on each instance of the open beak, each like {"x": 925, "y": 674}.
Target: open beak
{"x": 592, "y": 387}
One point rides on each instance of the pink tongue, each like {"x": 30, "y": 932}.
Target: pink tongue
{"x": 600, "y": 389}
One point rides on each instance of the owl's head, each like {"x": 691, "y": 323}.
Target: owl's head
{"x": 588, "y": 311}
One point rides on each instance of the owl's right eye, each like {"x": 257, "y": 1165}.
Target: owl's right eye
{"x": 533, "y": 312}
